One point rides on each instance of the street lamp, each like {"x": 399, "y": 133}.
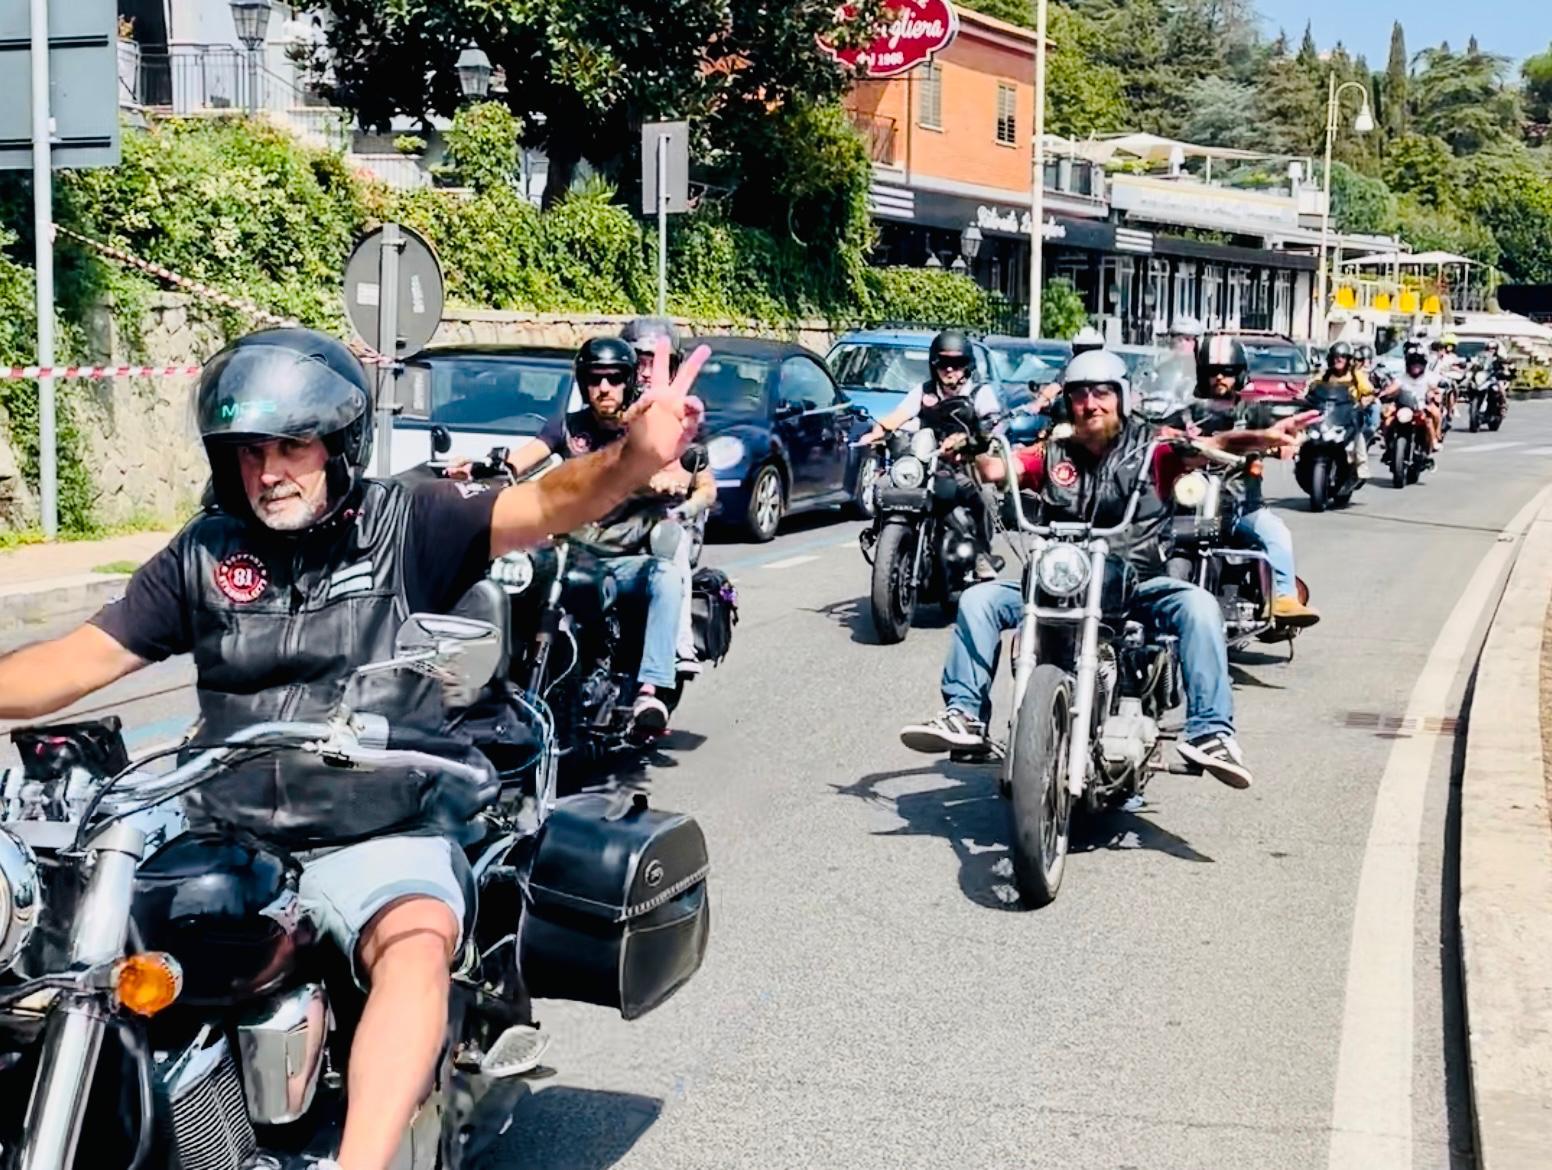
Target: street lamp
{"x": 1037, "y": 182}
{"x": 251, "y": 19}
{"x": 473, "y": 71}
{"x": 969, "y": 248}
{"x": 1362, "y": 124}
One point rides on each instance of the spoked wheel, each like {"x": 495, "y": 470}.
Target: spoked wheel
{"x": 894, "y": 584}
{"x": 1037, "y": 770}
{"x": 867, "y": 476}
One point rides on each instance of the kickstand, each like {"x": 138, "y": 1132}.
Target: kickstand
{"x": 1291, "y": 641}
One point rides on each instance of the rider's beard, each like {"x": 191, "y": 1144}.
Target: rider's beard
{"x": 1096, "y": 431}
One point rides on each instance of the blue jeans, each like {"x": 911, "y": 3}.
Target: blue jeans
{"x": 664, "y": 584}
{"x": 1163, "y": 603}
{"x": 1264, "y": 529}
{"x": 1371, "y": 419}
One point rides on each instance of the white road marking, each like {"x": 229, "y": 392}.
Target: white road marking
{"x": 790, "y": 562}
{"x": 1371, "y": 1114}
{"x": 1478, "y": 449}
{"x": 1537, "y": 451}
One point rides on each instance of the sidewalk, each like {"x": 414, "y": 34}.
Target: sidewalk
{"x": 49, "y": 582}
{"x": 1506, "y": 875}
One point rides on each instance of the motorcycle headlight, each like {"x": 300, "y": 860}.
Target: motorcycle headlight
{"x": 908, "y": 472}
{"x": 1404, "y": 415}
{"x": 20, "y": 898}
{"x": 1334, "y": 434}
{"x": 724, "y": 451}
{"x": 1191, "y": 489}
{"x": 514, "y": 570}
{"x": 923, "y": 444}
{"x": 1062, "y": 570}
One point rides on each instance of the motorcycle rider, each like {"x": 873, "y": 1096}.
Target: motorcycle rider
{"x": 1223, "y": 368}
{"x": 1418, "y": 388}
{"x": 1499, "y": 370}
{"x": 1185, "y": 338}
{"x": 303, "y": 574}
{"x": 1343, "y": 369}
{"x": 1090, "y": 475}
{"x": 951, "y": 362}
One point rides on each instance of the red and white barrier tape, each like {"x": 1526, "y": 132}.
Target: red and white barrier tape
{"x": 14, "y": 372}
{"x": 366, "y": 353}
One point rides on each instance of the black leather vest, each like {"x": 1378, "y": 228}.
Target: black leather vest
{"x": 278, "y": 623}
{"x": 1077, "y": 488}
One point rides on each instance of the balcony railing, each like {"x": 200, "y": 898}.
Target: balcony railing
{"x": 879, "y": 133}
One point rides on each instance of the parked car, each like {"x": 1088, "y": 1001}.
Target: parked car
{"x": 1018, "y": 361}
{"x": 1279, "y": 367}
{"x": 878, "y": 367}
{"x": 485, "y": 395}
{"x": 1141, "y": 360}
{"x": 779, "y": 433}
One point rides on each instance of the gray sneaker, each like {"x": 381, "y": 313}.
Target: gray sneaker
{"x": 952, "y": 731}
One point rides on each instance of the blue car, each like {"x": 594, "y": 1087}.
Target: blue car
{"x": 779, "y": 433}
{"x": 878, "y": 367}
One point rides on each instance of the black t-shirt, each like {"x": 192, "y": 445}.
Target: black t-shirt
{"x": 579, "y": 433}
{"x": 446, "y": 550}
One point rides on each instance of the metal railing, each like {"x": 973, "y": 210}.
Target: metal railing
{"x": 879, "y": 133}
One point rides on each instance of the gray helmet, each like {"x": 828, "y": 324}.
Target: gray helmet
{"x": 643, "y": 333}
{"x": 1088, "y": 339}
{"x": 1187, "y": 326}
{"x": 1100, "y": 367}
{"x": 284, "y": 384}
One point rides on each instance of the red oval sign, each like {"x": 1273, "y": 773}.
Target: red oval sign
{"x": 913, "y": 31}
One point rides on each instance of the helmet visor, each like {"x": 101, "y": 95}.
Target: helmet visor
{"x": 275, "y": 392}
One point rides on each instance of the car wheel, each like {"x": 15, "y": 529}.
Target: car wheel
{"x": 767, "y": 503}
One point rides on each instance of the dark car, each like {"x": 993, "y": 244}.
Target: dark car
{"x": 779, "y": 432}
{"x": 485, "y": 395}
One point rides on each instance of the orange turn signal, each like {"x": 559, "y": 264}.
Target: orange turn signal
{"x": 146, "y": 984}
{"x": 1254, "y": 469}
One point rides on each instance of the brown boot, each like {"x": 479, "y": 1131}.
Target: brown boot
{"x": 1288, "y": 610}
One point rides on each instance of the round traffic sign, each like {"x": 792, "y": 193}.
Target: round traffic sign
{"x": 419, "y": 288}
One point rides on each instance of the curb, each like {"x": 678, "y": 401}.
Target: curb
{"x": 64, "y": 597}
{"x": 1506, "y": 876}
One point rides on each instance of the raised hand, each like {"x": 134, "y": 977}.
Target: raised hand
{"x": 664, "y": 421}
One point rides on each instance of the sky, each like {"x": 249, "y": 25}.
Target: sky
{"x": 1515, "y": 28}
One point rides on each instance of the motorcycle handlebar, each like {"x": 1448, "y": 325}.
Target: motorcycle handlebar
{"x": 1005, "y": 449}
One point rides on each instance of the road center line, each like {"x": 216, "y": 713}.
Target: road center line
{"x": 1479, "y": 449}
{"x": 790, "y": 562}
{"x": 1371, "y": 1114}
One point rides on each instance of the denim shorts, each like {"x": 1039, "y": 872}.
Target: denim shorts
{"x": 341, "y": 891}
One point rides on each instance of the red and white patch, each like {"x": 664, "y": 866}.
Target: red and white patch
{"x": 242, "y": 577}
{"x": 1064, "y": 474}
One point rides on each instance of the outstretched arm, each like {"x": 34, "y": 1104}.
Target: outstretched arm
{"x": 44, "y": 677}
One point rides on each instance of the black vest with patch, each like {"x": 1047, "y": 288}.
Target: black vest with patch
{"x": 1097, "y": 492}
{"x": 279, "y": 622}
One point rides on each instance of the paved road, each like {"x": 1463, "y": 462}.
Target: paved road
{"x": 874, "y": 996}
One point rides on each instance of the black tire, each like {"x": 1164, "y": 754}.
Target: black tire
{"x": 1320, "y": 484}
{"x": 1400, "y": 458}
{"x": 1494, "y": 423}
{"x": 862, "y": 500}
{"x": 1476, "y": 416}
{"x": 767, "y": 504}
{"x": 1415, "y": 464}
{"x": 894, "y": 589}
{"x": 1041, "y": 807}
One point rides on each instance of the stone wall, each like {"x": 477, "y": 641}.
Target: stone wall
{"x": 139, "y": 435}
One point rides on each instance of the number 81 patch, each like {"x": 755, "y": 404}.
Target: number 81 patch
{"x": 242, "y": 577}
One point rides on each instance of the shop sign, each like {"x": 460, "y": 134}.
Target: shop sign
{"x": 913, "y": 31}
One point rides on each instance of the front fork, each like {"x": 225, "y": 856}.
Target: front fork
{"x": 1087, "y": 673}
{"x": 73, "y": 1037}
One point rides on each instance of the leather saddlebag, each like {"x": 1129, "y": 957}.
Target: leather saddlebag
{"x": 616, "y": 908}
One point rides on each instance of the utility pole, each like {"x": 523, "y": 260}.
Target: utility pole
{"x": 1037, "y": 183}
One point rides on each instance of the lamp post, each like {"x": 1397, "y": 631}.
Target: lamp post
{"x": 969, "y": 248}
{"x": 251, "y": 19}
{"x": 473, "y": 71}
{"x": 1362, "y": 124}
{"x": 1037, "y": 184}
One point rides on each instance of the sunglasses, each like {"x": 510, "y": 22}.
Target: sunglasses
{"x": 604, "y": 378}
{"x": 1091, "y": 390}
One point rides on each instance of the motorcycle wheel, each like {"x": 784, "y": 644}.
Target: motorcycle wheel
{"x": 1494, "y": 423}
{"x": 1320, "y": 484}
{"x": 1400, "y": 460}
{"x": 894, "y": 592}
{"x": 1476, "y": 416}
{"x": 863, "y": 500}
{"x": 1415, "y": 463}
{"x": 1040, "y": 803}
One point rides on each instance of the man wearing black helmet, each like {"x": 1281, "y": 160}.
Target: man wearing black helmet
{"x": 304, "y": 572}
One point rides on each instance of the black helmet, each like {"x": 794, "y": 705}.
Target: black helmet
{"x": 951, "y": 347}
{"x": 1414, "y": 354}
{"x": 642, "y": 334}
{"x": 1221, "y": 351}
{"x": 284, "y": 384}
{"x": 1364, "y": 353}
{"x": 607, "y": 353}
{"x": 1339, "y": 350}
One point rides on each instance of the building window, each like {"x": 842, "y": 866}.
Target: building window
{"x": 1185, "y": 290}
{"x": 1282, "y": 304}
{"x": 1212, "y": 297}
{"x": 929, "y": 100}
{"x": 1007, "y": 106}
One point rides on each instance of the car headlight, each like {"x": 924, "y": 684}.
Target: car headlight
{"x": 725, "y": 451}
{"x": 1404, "y": 415}
{"x": 1062, "y": 570}
{"x": 21, "y": 900}
{"x": 514, "y": 570}
{"x": 908, "y": 472}
{"x": 1191, "y": 489}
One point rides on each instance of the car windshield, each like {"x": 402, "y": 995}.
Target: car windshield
{"x": 1276, "y": 359}
{"x": 1140, "y": 362}
{"x": 733, "y": 384}
{"x": 504, "y": 394}
{"x": 868, "y": 366}
{"x": 1469, "y": 349}
{"x": 1027, "y": 365}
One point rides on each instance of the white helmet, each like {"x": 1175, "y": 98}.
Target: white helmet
{"x": 1088, "y": 339}
{"x": 1187, "y": 326}
{"x": 1100, "y": 367}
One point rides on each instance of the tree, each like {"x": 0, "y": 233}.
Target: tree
{"x": 1431, "y": 229}
{"x": 1463, "y": 100}
{"x": 1394, "y": 90}
{"x": 1421, "y": 169}
{"x": 1083, "y": 94}
{"x": 1223, "y": 113}
{"x": 482, "y": 145}
{"x": 1512, "y": 197}
{"x": 1359, "y": 203}
{"x": 1309, "y": 55}
{"x": 1291, "y": 108}
{"x": 1536, "y": 73}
